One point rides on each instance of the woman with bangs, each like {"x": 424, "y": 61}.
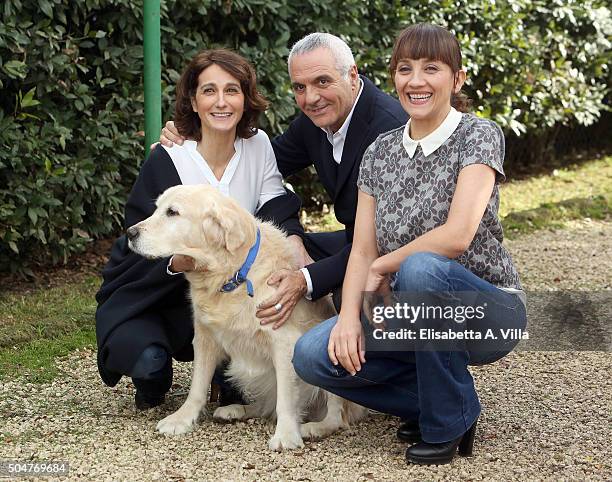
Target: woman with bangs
{"x": 144, "y": 318}
{"x": 426, "y": 224}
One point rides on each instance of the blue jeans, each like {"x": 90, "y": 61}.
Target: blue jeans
{"x": 433, "y": 387}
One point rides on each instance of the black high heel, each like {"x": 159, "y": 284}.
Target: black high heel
{"x": 466, "y": 446}
{"x": 442, "y": 453}
{"x": 409, "y": 431}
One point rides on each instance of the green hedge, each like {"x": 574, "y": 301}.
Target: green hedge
{"x": 71, "y": 109}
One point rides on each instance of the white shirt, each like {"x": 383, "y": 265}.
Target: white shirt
{"x": 432, "y": 141}
{"x": 251, "y": 176}
{"x": 336, "y": 139}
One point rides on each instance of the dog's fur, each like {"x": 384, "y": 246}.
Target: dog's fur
{"x": 217, "y": 233}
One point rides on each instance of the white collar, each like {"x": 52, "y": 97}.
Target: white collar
{"x": 432, "y": 141}
{"x": 342, "y": 131}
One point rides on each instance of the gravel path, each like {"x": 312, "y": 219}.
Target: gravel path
{"x": 576, "y": 258}
{"x": 546, "y": 415}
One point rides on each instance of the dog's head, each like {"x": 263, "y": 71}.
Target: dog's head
{"x": 196, "y": 221}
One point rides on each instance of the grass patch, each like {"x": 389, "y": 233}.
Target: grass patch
{"x": 550, "y": 201}
{"x": 47, "y": 313}
{"x": 320, "y": 221}
{"x": 555, "y": 215}
{"x": 34, "y": 360}
{"x": 38, "y": 325}
{"x": 584, "y": 181}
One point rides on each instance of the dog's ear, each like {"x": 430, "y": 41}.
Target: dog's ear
{"x": 212, "y": 230}
{"x": 234, "y": 233}
{"x": 223, "y": 228}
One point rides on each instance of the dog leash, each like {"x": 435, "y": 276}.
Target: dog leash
{"x": 241, "y": 275}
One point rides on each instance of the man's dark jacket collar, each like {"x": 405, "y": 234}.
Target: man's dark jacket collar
{"x": 356, "y": 135}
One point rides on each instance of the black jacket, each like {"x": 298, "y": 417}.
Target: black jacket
{"x": 305, "y": 144}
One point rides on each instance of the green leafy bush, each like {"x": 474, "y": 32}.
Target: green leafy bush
{"x": 71, "y": 109}
{"x": 69, "y": 112}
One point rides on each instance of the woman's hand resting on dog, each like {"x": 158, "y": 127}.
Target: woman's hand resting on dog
{"x": 346, "y": 344}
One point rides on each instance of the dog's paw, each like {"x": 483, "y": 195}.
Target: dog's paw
{"x": 285, "y": 441}
{"x": 230, "y": 413}
{"x": 177, "y": 423}
{"x": 317, "y": 430}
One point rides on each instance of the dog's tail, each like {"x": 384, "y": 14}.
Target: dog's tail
{"x": 315, "y": 401}
{"x": 351, "y": 412}
{"x": 318, "y": 406}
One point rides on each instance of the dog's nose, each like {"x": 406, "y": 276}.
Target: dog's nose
{"x": 132, "y": 233}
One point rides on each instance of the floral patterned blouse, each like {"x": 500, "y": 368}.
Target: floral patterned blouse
{"x": 413, "y": 195}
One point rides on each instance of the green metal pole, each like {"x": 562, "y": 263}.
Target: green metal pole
{"x": 152, "y": 72}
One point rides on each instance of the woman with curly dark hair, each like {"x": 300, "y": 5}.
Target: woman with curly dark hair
{"x": 144, "y": 317}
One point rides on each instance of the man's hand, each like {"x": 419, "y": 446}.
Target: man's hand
{"x": 302, "y": 256}
{"x": 346, "y": 345}
{"x": 181, "y": 263}
{"x": 278, "y": 308}
{"x": 170, "y": 135}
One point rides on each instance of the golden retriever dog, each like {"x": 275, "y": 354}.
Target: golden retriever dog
{"x": 218, "y": 233}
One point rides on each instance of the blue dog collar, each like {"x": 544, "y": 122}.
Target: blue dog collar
{"x": 241, "y": 275}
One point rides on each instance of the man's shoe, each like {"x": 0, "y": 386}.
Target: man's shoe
{"x": 425, "y": 453}
{"x": 409, "y": 431}
{"x": 146, "y": 402}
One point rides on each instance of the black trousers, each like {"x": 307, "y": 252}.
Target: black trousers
{"x": 323, "y": 245}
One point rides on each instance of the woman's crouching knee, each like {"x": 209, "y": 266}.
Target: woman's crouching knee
{"x": 302, "y": 360}
{"x": 151, "y": 363}
{"x": 310, "y": 358}
{"x": 422, "y": 272}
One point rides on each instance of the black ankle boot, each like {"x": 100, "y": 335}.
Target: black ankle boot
{"x": 427, "y": 454}
{"x": 145, "y": 402}
{"x": 151, "y": 387}
{"x": 409, "y": 431}
{"x": 151, "y": 392}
